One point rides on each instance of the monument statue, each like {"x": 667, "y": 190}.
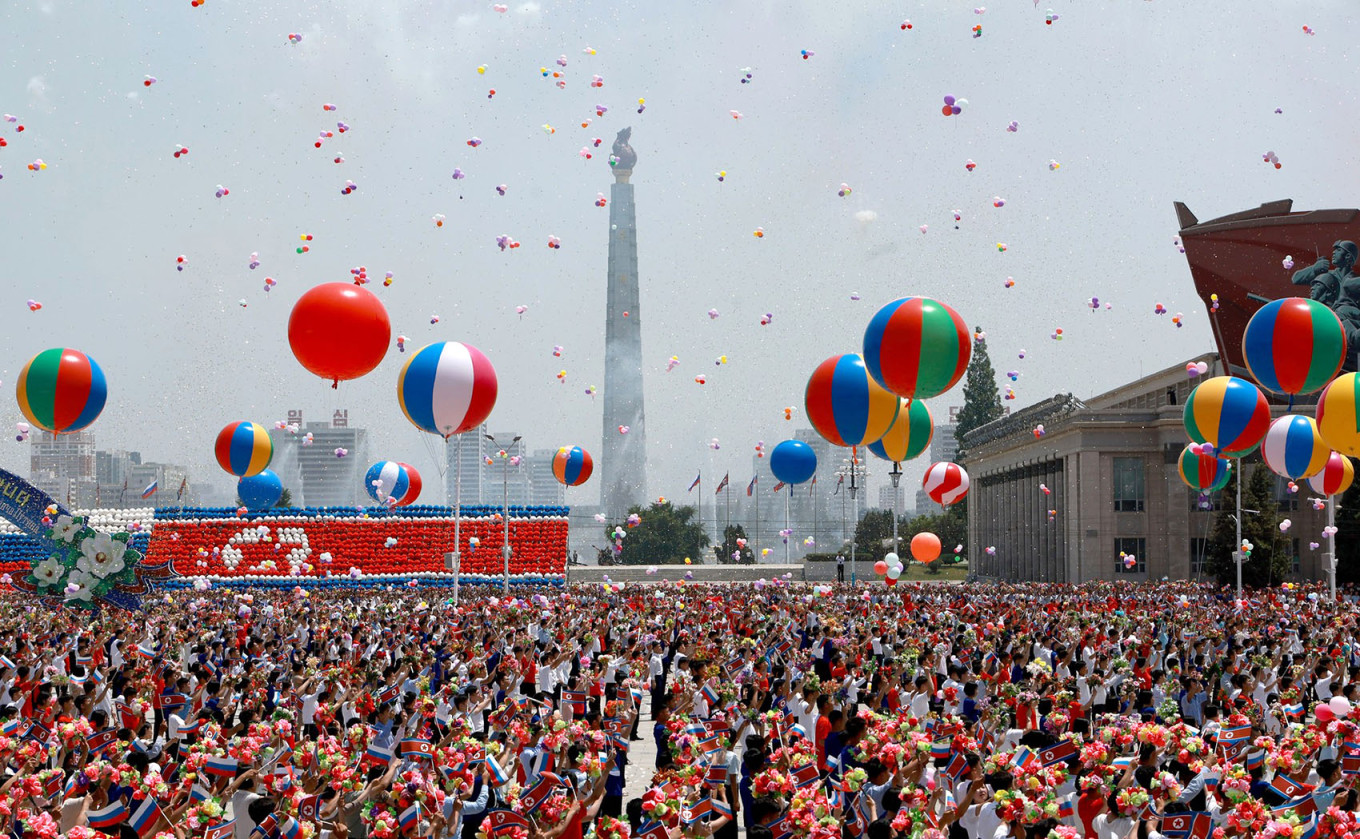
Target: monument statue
{"x": 1333, "y": 284}
{"x": 624, "y": 156}
{"x": 1327, "y": 283}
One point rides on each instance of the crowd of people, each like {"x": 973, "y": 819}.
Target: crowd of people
{"x": 1101, "y": 711}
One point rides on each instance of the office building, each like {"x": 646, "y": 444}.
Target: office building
{"x": 465, "y": 457}
{"x": 64, "y": 466}
{"x": 1102, "y": 481}
{"x": 544, "y": 488}
{"x": 311, "y": 472}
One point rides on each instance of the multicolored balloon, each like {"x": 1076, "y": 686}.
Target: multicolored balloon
{"x": 260, "y": 491}
{"x": 845, "y": 405}
{"x": 917, "y": 347}
{"x": 1336, "y": 477}
{"x": 387, "y": 482}
{"x": 909, "y": 435}
{"x": 1229, "y": 413}
{"x": 793, "y": 462}
{"x": 1293, "y": 448}
{"x": 1338, "y": 414}
{"x": 572, "y": 466}
{"x": 413, "y": 485}
{"x": 61, "y": 390}
{"x": 1204, "y": 472}
{"x": 447, "y": 388}
{"x": 244, "y": 448}
{"x": 945, "y": 483}
{"x": 1294, "y": 345}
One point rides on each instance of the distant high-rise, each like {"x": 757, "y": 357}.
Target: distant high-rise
{"x": 473, "y": 445}
{"x": 326, "y": 479}
{"x": 505, "y": 482}
{"x": 624, "y": 464}
{"x": 544, "y": 488}
{"x": 64, "y": 466}
{"x": 885, "y": 498}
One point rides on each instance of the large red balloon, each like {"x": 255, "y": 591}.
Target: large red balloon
{"x": 339, "y": 331}
{"x": 413, "y": 483}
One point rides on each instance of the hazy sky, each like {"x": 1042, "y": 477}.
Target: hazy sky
{"x": 1141, "y": 103}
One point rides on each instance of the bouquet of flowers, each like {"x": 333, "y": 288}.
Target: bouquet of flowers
{"x": 1131, "y": 801}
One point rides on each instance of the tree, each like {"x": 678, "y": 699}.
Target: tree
{"x": 981, "y": 397}
{"x": 285, "y": 499}
{"x": 730, "y": 546}
{"x": 951, "y": 526}
{"x": 873, "y": 535}
{"x": 665, "y": 535}
{"x": 1269, "y": 563}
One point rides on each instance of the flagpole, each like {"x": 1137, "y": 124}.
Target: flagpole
{"x": 757, "y": 534}
{"x": 786, "y": 523}
{"x": 814, "y": 511}
{"x": 457, "y": 515}
{"x": 727, "y": 504}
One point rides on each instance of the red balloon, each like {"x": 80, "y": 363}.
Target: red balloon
{"x": 339, "y": 331}
{"x": 413, "y": 480}
{"x": 947, "y": 111}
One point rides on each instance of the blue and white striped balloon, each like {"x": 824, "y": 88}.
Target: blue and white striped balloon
{"x": 387, "y": 482}
{"x": 1293, "y": 448}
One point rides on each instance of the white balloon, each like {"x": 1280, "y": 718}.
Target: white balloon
{"x": 892, "y": 559}
{"x": 894, "y": 572}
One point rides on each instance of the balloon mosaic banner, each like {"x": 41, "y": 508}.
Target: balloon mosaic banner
{"x": 340, "y": 546}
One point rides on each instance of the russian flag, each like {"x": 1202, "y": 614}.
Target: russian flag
{"x": 221, "y": 767}
{"x": 110, "y": 816}
{"x": 409, "y": 818}
{"x": 1065, "y": 809}
{"x": 144, "y": 818}
{"x": 198, "y": 793}
{"x": 1024, "y": 758}
{"x": 941, "y": 749}
{"x": 1256, "y": 760}
{"x": 376, "y": 755}
{"x": 150, "y": 489}
{"x": 500, "y": 775}
{"x": 8, "y": 662}
{"x": 145, "y": 652}
{"x": 710, "y": 695}
{"x": 1294, "y": 712}
{"x": 620, "y": 741}
{"x": 14, "y": 728}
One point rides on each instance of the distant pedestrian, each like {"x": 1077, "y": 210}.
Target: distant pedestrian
{"x": 840, "y": 568}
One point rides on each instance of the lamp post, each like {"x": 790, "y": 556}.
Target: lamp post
{"x": 850, "y": 467}
{"x": 895, "y": 475}
{"x": 505, "y": 503}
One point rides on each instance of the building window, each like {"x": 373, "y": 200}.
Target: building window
{"x": 1128, "y": 485}
{"x": 1125, "y": 548}
{"x": 1285, "y": 499}
{"x": 1198, "y": 548}
{"x": 1295, "y": 566}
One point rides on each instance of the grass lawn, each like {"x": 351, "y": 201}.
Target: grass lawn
{"x": 915, "y": 572}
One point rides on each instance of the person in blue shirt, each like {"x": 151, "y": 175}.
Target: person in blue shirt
{"x": 752, "y": 763}
{"x": 969, "y": 709}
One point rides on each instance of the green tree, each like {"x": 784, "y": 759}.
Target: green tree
{"x": 873, "y": 535}
{"x": 1269, "y": 563}
{"x": 981, "y": 397}
{"x": 952, "y": 528}
{"x": 665, "y": 535}
{"x": 285, "y": 498}
{"x": 730, "y": 546}
{"x": 1347, "y": 537}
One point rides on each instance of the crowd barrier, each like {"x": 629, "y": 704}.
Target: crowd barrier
{"x": 329, "y": 546}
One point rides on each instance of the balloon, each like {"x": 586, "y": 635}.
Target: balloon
{"x": 447, "y": 388}
{"x": 260, "y": 491}
{"x": 925, "y": 547}
{"x": 1336, "y": 477}
{"x": 909, "y": 435}
{"x": 880, "y": 568}
{"x": 917, "y": 347}
{"x": 1229, "y": 413}
{"x": 889, "y": 582}
{"x": 61, "y": 390}
{"x": 244, "y": 448}
{"x": 793, "y": 461}
{"x": 845, "y": 405}
{"x": 395, "y": 483}
{"x": 1294, "y": 345}
{"x": 572, "y": 466}
{"x": 1293, "y": 448}
{"x": 1204, "y": 472}
{"x": 339, "y": 331}
{"x": 894, "y": 572}
{"x": 1340, "y": 705}
{"x": 892, "y": 559}
{"x": 1338, "y": 418}
{"x": 1323, "y": 712}
{"x": 413, "y": 485}
{"x": 945, "y": 483}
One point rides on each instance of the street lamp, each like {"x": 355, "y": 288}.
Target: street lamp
{"x": 505, "y": 503}
{"x": 850, "y": 466}
{"x": 895, "y": 475}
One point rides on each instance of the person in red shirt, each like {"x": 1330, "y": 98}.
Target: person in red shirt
{"x": 823, "y": 730}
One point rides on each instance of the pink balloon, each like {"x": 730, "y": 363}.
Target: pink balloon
{"x": 1323, "y": 712}
{"x": 880, "y": 568}
{"x": 1340, "y": 705}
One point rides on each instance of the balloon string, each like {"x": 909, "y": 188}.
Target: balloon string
{"x": 1291, "y": 402}
{"x": 335, "y": 384}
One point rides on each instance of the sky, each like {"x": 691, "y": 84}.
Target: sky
{"x": 1139, "y": 102}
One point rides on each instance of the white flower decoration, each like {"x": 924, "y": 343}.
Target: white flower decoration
{"x": 80, "y": 585}
{"x": 49, "y": 571}
{"x": 66, "y": 529}
{"x": 101, "y": 555}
